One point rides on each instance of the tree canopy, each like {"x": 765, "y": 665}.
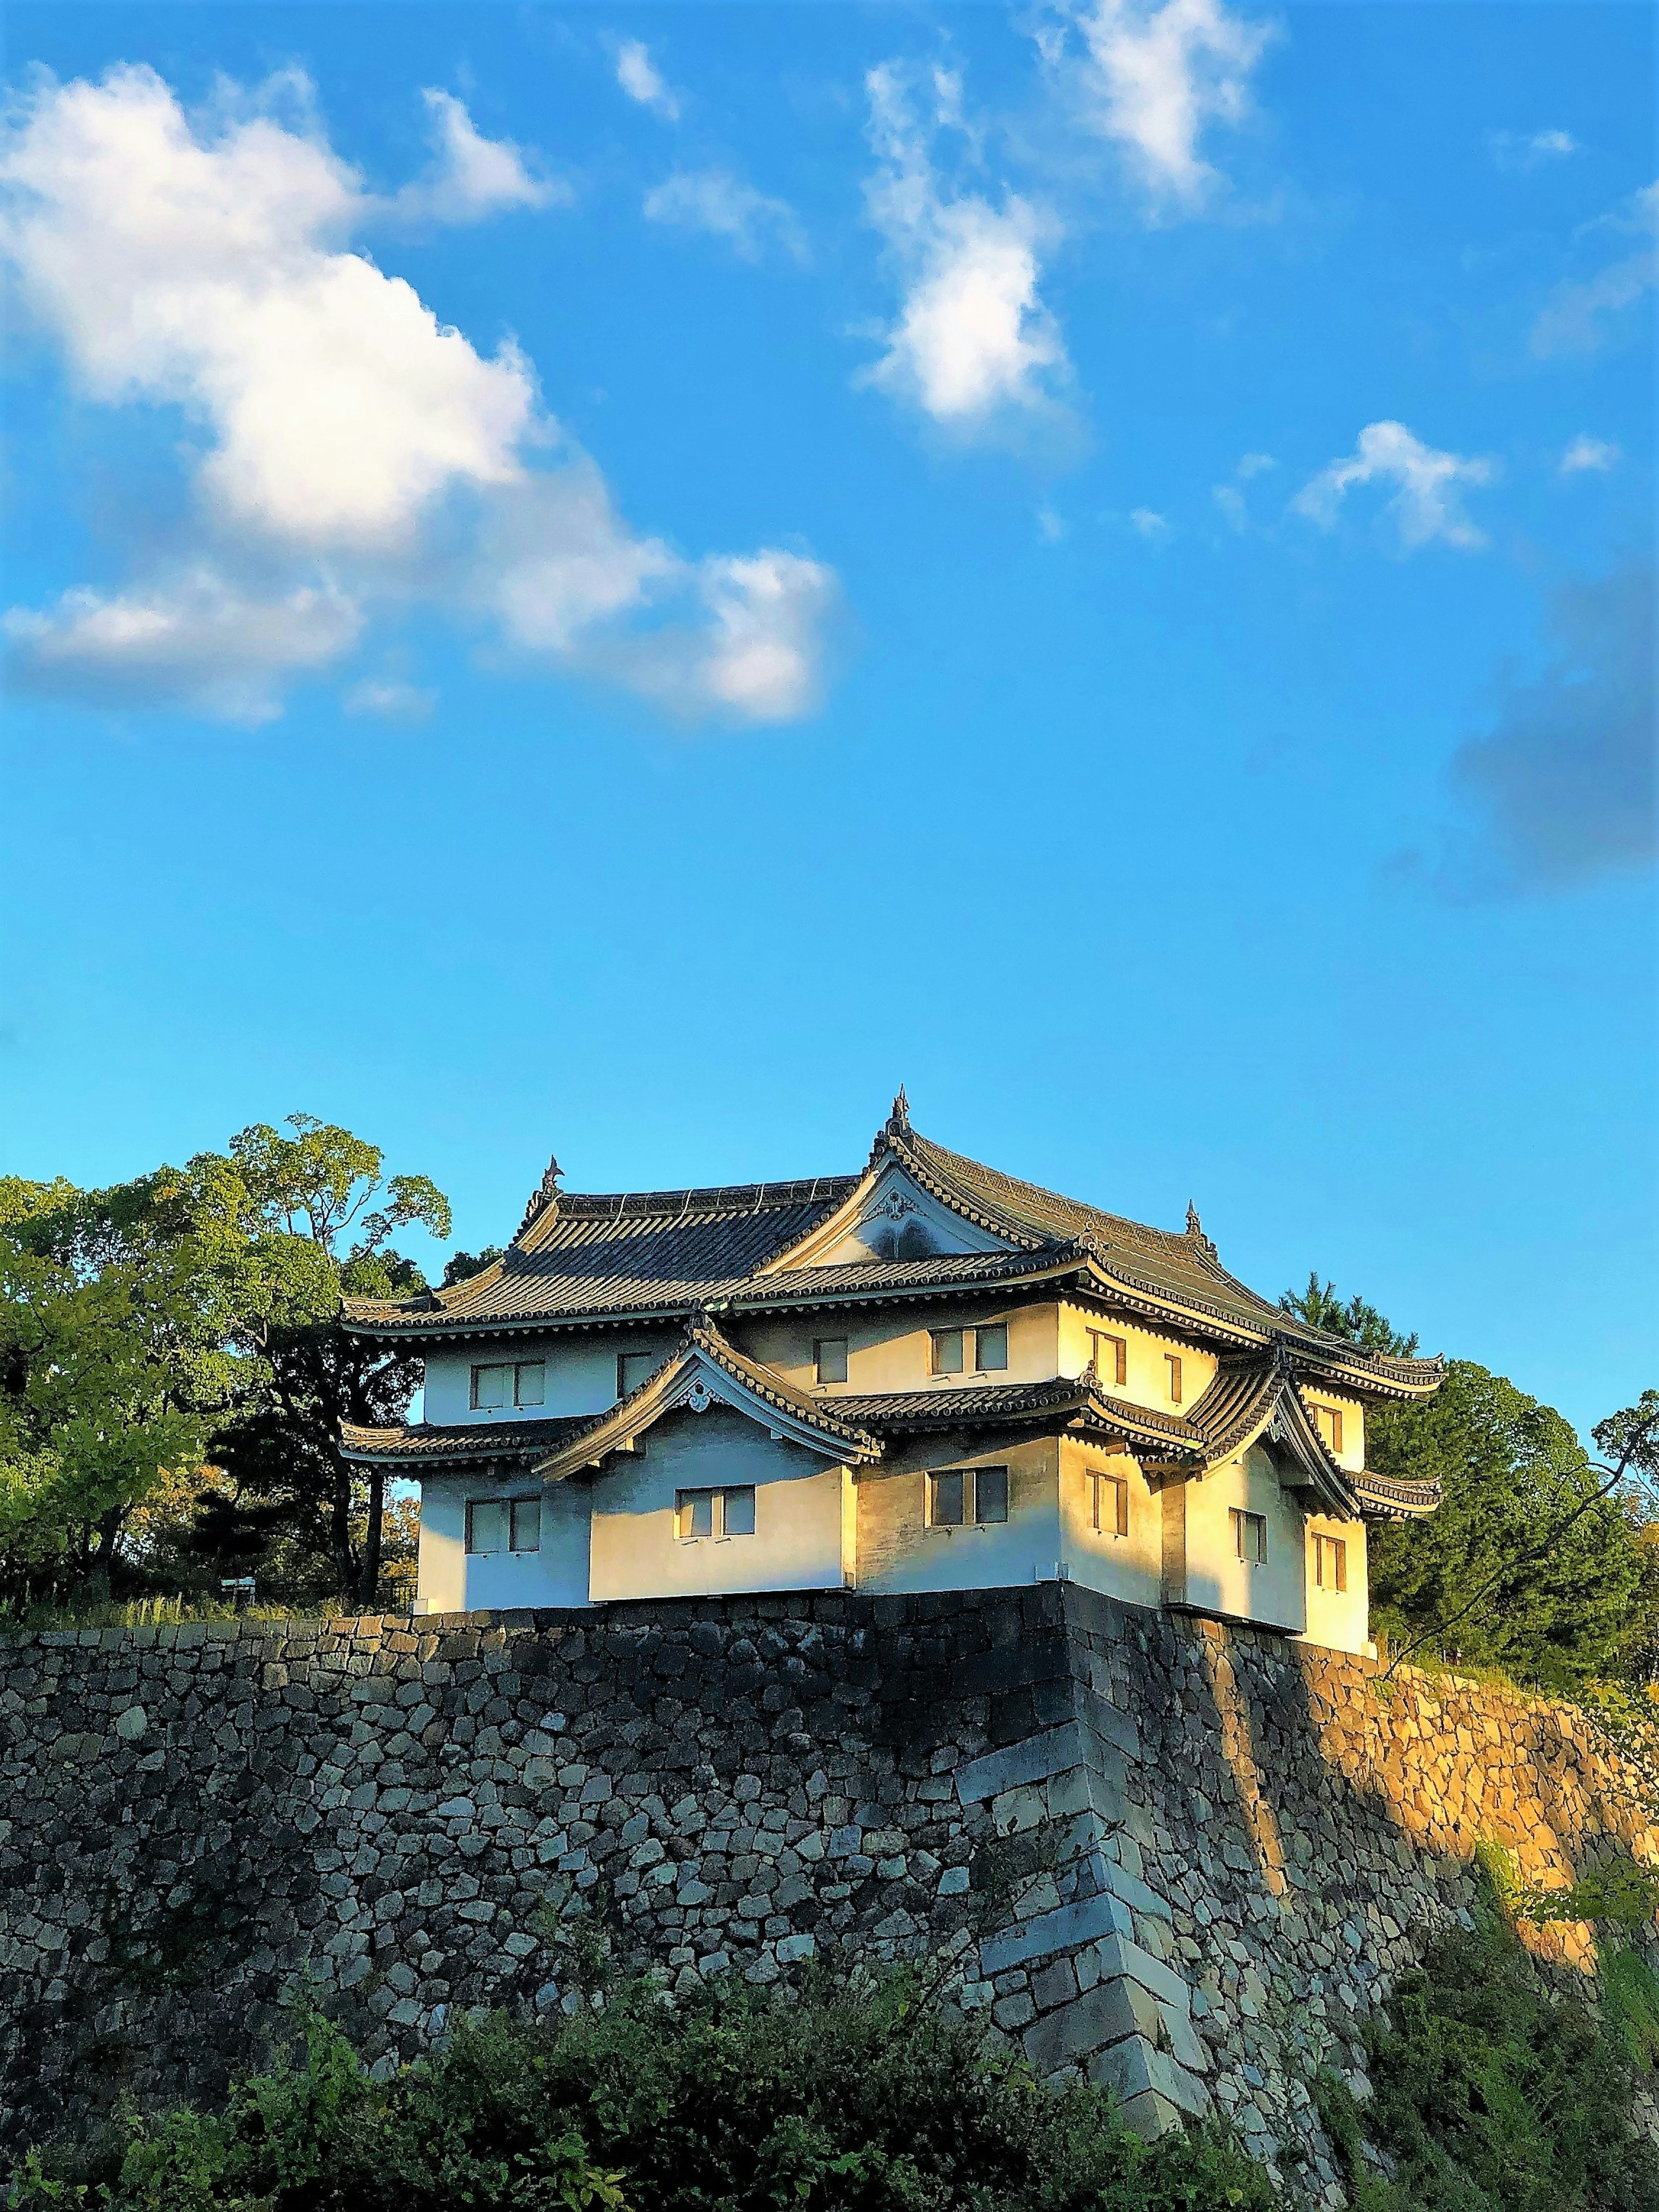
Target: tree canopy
{"x": 192, "y": 1316}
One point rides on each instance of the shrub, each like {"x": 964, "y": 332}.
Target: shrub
{"x": 843, "y": 2100}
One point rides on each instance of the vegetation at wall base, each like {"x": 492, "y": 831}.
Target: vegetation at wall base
{"x": 864, "y": 2099}
{"x": 1494, "y": 2091}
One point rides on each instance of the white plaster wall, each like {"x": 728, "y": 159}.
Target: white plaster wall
{"x": 896, "y": 1550}
{"x": 581, "y": 1373}
{"x": 1147, "y": 1381}
{"x": 798, "y": 1512}
{"x": 1353, "y": 1454}
{"x": 1218, "y": 1580}
{"x": 449, "y": 1580}
{"x": 1129, "y": 1567}
{"x": 1339, "y": 1619}
{"x": 892, "y": 1351}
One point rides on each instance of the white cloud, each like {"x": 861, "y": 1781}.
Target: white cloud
{"x": 1427, "y": 499}
{"x": 198, "y": 641}
{"x": 639, "y": 78}
{"x": 1147, "y": 523}
{"x": 973, "y": 338}
{"x": 1254, "y": 465}
{"x": 206, "y": 274}
{"x": 473, "y": 177}
{"x": 1051, "y": 527}
{"x": 715, "y": 201}
{"x": 769, "y": 610}
{"x": 1575, "y": 317}
{"x": 392, "y": 699}
{"x": 1231, "y": 501}
{"x": 1589, "y": 455}
{"x": 1518, "y": 152}
{"x": 349, "y": 445}
{"x": 1152, "y": 79}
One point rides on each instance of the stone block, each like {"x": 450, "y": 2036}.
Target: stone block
{"x": 1084, "y": 1921}
{"x": 1135, "y": 2067}
{"x": 1020, "y": 1764}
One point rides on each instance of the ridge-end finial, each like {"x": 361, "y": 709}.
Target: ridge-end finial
{"x": 898, "y": 1121}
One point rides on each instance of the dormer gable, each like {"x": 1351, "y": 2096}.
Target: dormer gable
{"x": 889, "y": 1215}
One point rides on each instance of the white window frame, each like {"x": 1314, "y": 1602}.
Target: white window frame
{"x": 971, "y": 1517}
{"x": 517, "y": 1368}
{"x": 1243, "y": 1519}
{"x": 717, "y": 1495}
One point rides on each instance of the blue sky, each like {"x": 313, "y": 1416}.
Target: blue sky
{"x": 622, "y": 580}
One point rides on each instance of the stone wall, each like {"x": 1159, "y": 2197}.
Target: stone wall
{"x": 1183, "y": 1859}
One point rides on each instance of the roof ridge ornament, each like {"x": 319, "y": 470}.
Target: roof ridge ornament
{"x": 545, "y": 1197}
{"x": 1195, "y": 1232}
{"x": 898, "y": 1121}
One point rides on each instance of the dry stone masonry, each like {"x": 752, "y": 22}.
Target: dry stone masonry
{"x": 1179, "y": 1859}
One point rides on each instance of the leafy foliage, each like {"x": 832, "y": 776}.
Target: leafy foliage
{"x": 1511, "y": 1472}
{"x": 869, "y": 2100}
{"x": 193, "y": 1314}
{"x": 1361, "y": 1323}
{"x": 1492, "y": 2092}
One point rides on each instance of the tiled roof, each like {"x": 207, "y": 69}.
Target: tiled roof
{"x": 701, "y": 1347}
{"x": 661, "y": 1251}
{"x": 641, "y": 1256}
{"x": 1394, "y": 1500}
{"x": 425, "y": 1441}
{"x": 993, "y": 1404}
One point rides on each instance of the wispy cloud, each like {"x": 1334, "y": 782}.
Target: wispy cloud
{"x": 356, "y": 454}
{"x": 1154, "y": 79}
{"x": 724, "y": 205}
{"x": 974, "y": 340}
{"x": 1426, "y": 502}
{"x": 640, "y": 79}
{"x": 390, "y": 699}
{"x": 1147, "y": 522}
{"x": 1229, "y": 500}
{"x": 1581, "y": 316}
{"x": 1518, "y": 152}
{"x": 473, "y": 177}
{"x": 1561, "y": 790}
{"x": 1587, "y": 456}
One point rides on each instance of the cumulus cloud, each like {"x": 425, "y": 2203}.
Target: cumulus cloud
{"x": 1518, "y": 152}
{"x": 1427, "y": 499}
{"x": 1562, "y": 789}
{"x": 1581, "y": 316}
{"x": 197, "y": 639}
{"x": 1147, "y": 522}
{"x": 639, "y": 78}
{"x": 473, "y": 177}
{"x": 1152, "y": 79}
{"x": 342, "y": 430}
{"x": 973, "y": 339}
{"x": 715, "y": 201}
{"x": 1589, "y": 455}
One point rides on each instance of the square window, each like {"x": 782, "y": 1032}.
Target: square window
{"x": 1111, "y": 1505}
{"x": 991, "y": 1348}
{"x": 526, "y": 1524}
{"x": 738, "y": 1514}
{"x": 532, "y": 1385}
{"x": 945, "y": 1500}
{"x": 991, "y": 1494}
{"x": 947, "y": 1351}
{"x": 492, "y": 1388}
{"x": 1172, "y": 1361}
{"x": 632, "y": 1368}
{"x": 693, "y": 1512}
{"x": 486, "y": 1524}
{"x": 1331, "y": 1562}
{"x": 830, "y": 1359}
{"x": 1250, "y": 1535}
{"x": 1328, "y": 1421}
{"x": 1111, "y": 1358}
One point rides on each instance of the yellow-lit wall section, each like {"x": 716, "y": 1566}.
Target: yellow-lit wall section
{"x": 893, "y": 1351}
{"x": 897, "y": 1550}
{"x": 1271, "y": 1592}
{"x": 1147, "y": 1379}
{"x": 1338, "y": 1618}
{"x": 1129, "y": 1566}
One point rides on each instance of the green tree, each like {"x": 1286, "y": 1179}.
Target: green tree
{"x": 1321, "y": 1306}
{"x": 107, "y": 1383}
{"x": 216, "y": 1288}
{"x": 1531, "y": 1563}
